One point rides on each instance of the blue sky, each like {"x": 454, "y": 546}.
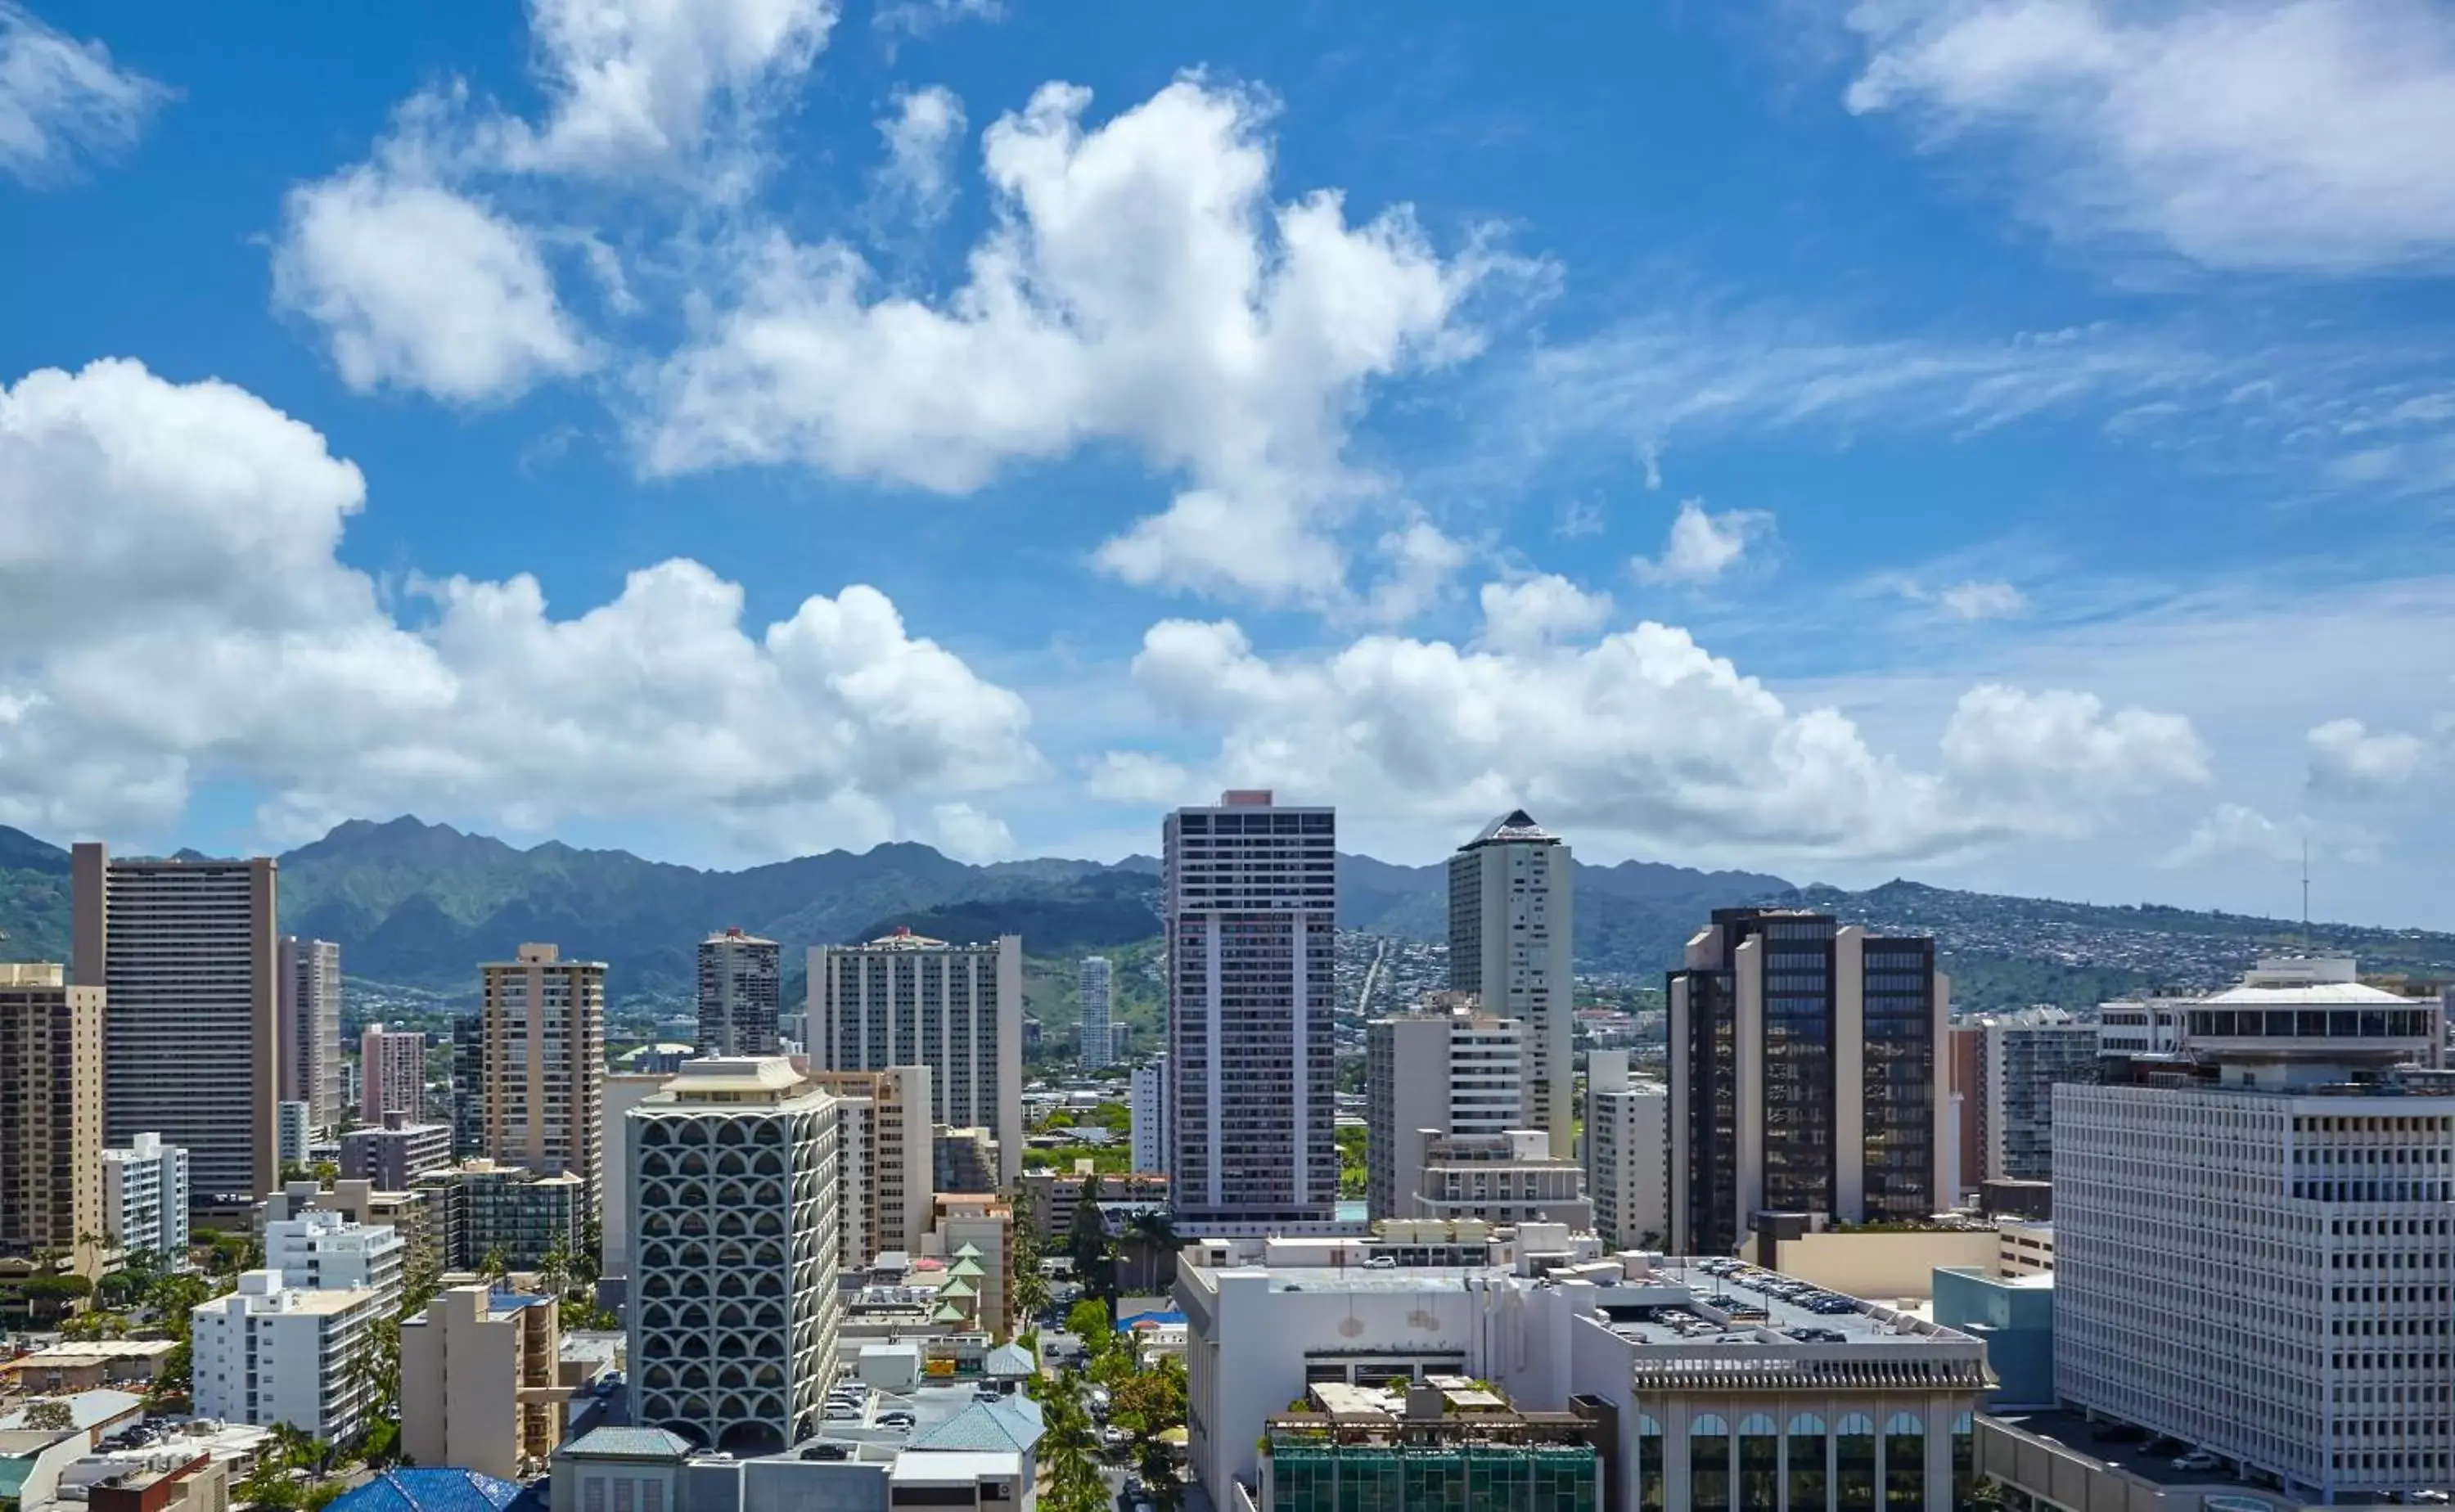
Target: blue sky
{"x": 2004, "y": 442}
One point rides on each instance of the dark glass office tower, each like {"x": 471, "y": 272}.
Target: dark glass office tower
{"x": 1805, "y": 1075}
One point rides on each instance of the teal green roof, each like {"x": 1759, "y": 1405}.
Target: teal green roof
{"x": 629, "y": 1443}
{"x": 1007, "y": 1425}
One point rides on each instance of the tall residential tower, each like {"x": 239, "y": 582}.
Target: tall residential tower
{"x": 1095, "y": 1046}
{"x": 50, "y": 1115}
{"x": 310, "y": 1028}
{"x": 908, "y": 1000}
{"x": 544, "y": 1019}
{"x": 186, "y": 952}
{"x": 740, "y": 979}
{"x": 1511, "y": 902}
{"x": 1252, "y": 897}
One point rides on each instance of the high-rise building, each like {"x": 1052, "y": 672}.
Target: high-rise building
{"x": 145, "y": 1199}
{"x": 544, "y": 1071}
{"x": 623, "y": 1091}
{"x": 1453, "y": 1069}
{"x": 294, "y": 1132}
{"x": 478, "y": 1208}
{"x": 740, "y": 983}
{"x": 1252, "y": 897}
{"x": 392, "y": 1072}
{"x": 468, "y": 1085}
{"x": 885, "y": 1175}
{"x": 270, "y": 1353}
{"x": 964, "y": 1161}
{"x": 1149, "y": 1104}
{"x": 325, "y": 1249}
{"x": 1628, "y": 1129}
{"x": 192, "y": 1034}
{"x": 908, "y": 1000}
{"x": 310, "y": 1028}
{"x": 741, "y": 1371}
{"x": 2013, "y": 1063}
{"x": 1121, "y": 1040}
{"x": 2251, "y": 1249}
{"x": 1094, "y": 1046}
{"x": 1807, "y": 1076}
{"x": 50, "y": 1115}
{"x": 1511, "y": 903}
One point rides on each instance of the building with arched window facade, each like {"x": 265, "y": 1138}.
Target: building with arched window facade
{"x": 732, "y": 1188}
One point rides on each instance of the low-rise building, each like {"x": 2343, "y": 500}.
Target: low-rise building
{"x": 407, "y": 1214}
{"x": 396, "y": 1155}
{"x": 145, "y": 1198}
{"x": 964, "y": 1161}
{"x": 2015, "y": 1315}
{"x": 1887, "y": 1262}
{"x": 486, "y": 1208}
{"x": 984, "y": 1226}
{"x": 270, "y": 1353}
{"x": 316, "y": 1250}
{"x": 1713, "y": 1385}
{"x": 1055, "y": 1195}
{"x": 481, "y": 1382}
{"x": 85, "y": 1365}
{"x": 1449, "y": 1444}
{"x": 1626, "y": 1152}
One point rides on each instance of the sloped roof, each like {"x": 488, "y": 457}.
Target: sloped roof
{"x": 1514, "y": 825}
{"x": 1010, "y": 1363}
{"x": 630, "y": 1443}
{"x": 436, "y": 1491}
{"x": 971, "y": 1251}
{"x": 87, "y": 1409}
{"x": 1010, "y": 1424}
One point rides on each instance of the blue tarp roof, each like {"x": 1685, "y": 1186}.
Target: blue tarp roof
{"x": 436, "y": 1491}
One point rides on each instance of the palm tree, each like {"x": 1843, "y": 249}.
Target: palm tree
{"x": 554, "y": 1269}
{"x": 494, "y": 1265}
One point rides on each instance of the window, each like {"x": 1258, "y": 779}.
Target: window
{"x": 1759, "y": 1464}
{"x": 1709, "y": 1464}
{"x": 1854, "y": 1463}
{"x": 1904, "y": 1462}
{"x": 1809, "y": 1479}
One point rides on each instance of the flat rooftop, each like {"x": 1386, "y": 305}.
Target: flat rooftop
{"x": 2127, "y": 1448}
{"x": 1702, "y": 1307}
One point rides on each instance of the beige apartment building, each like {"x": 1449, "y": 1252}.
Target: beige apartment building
{"x": 192, "y": 1038}
{"x": 885, "y": 1156}
{"x": 51, "y": 1115}
{"x": 481, "y": 1382}
{"x": 542, "y": 1023}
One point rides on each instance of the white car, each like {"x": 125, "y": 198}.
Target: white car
{"x": 2196, "y": 1460}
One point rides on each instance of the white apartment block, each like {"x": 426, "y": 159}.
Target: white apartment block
{"x": 2141, "y": 1026}
{"x": 269, "y": 1353}
{"x": 1506, "y": 1179}
{"x": 293, "y": 1127}
{"x": 2254, "y": 1256}
{"x": 318, "y": 1250}
{"x": 145, "y": 1198}
{"x": 392, "y": 1072}
{"x": 2021, "y": 1058}
{"x": 192, "y": 1040}
{"x": 1626, "y": 1152}
{"x": 310, "y": 1028}
{"x": 908, "y": 1000}
{"x": 1512, "y": 904}
{"x": 1149, "y": 1103}
{"x": 734, "y": 1256}
{"x": 1250, "y": 895}
{"x": 1095, "y": 1045}
{"x": 1452, "y": 1070}
{"x": 885, "y": 1159}
{"x": 541, "y": 1049}
{"x": 1867, "y": 1409}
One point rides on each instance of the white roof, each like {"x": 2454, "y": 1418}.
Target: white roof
{"x": 2318, "y": 994}
{"x": 944, "y": 1466}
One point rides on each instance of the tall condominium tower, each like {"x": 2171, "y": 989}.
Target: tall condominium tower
{"x": 310, "y": 1028}
{"x": 1807, "y": 1076}
{"x": 888, "y": 1166}
{"x": 1252, "y": 897}
{"x": 192, "y": 1031}
{"x": 742, "y": 1370}
{"x": 50, "y": 1115}
{"x": 2005, "y": 1068}
{"x": 740, "y": 977}
{"x": 1511, "y": 901}
{"x": 1095, "y": 1046}
{"x": 392, "y": 1072}
{"x": 544, "y": 1027}
{"x": 2251, "y": 1251}
{"x": 908, "y": 1000}
{"x": 1452, "y": 1070}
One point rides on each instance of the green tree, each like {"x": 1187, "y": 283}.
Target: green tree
{"x": 377, "y": 1366}
{"x": 55, "y": 1415}
{"x": 1087, "y": 1243}
{"x": 1148, "y": 1404}
{"x": 1069, "y": 1446}
{"x": 494, "y": 1265}
{"x": 554, "y": 1269}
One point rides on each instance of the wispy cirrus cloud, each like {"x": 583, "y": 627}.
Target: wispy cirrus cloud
{"x": 63, "y": 102}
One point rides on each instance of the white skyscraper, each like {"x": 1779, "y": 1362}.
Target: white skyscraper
{"x": 1251, "y": 896}
{"x": 2252, "y": 1255}
{"x": 1149, "y": 1103}
{"x": 1512, "y": 899}
{"x": 1094, "y": 1046}
{"x": 145, "y": 1198}
{"x": 909, "y": 1000}
{"x": 742, "y": 1371}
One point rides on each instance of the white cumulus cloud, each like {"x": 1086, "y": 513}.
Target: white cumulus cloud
{"x": 2301, "y": 134}
{"x": 1703, "y": 545}
{"x": 420, "y": 287}
{"x": 1140, "y": 287}
{"x": 235, "y": 646}
{"x": 2349, "y": 759}
{"x": 1640, "y": 738}
{"x": 921, "y": 137}
{"x": 1536, "y": 610}
{"x": 63, "y": 101}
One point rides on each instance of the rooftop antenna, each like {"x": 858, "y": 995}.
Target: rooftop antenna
{"x": 2305, "y": 894}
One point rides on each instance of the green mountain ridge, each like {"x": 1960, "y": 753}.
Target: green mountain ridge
{"x": 418, "y": 905}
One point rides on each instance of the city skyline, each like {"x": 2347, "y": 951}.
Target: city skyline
{"x": 1918, "y": 469}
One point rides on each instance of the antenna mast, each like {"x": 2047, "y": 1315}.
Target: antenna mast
{"x": 2305, "y": 894}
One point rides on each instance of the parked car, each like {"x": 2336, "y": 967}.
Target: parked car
{"x": 2196, "y": 1460}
